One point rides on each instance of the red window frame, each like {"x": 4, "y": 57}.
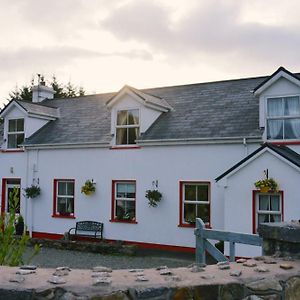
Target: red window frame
{"x": 254, "y": 212}
{"x": 55, "y": 213}
{"x": 113, "y": 201}
{"x": 181, "y": 212}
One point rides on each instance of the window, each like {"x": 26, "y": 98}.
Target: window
{"x": 127, "y": 128}
{"x": 9, "y": 187}
{"x": 283, "y": 118}
{"x": 15, "y": 133}
{"x": 268, "y": 208}
{"x": 123, "y": 201}
{"x": 195, "y": 202}
{"x": 63, "y": 197}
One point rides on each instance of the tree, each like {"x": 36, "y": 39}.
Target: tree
{"x": 61, "y": 91}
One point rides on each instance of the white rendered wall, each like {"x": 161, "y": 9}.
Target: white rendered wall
{"x": 238, "y": 212}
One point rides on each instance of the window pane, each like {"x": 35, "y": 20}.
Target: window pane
{"x": 291, "y": 106}
{"x": 275, "y": 129}
{"x": 70, "y": 188}
{"x": 20, "y": 139}
{"x": 203, "y": 212}
{"x": 10, "y": 204}
{"x": 62, "y": 189}
{"x": 132, "y": 135}
{"x": 133, "y": 117}
{"x": 276, "y": 218}
{"x": 122, "y": 117}
{"x": 130, "y": 190}
{"x": 65, "y": 205}
{"x": 275, "y": 107}
{"x": 189, "y": 213}
{"x": 121, "y": 138}
{"x": 12, "y": 141}
{"x": 292, "y": 128}
{"x": 274, "y": 203}
{"x": 125, "y": 210}
{"x": 12, "y": 126}
{"x": 264, "y": 202}
{"x": 121, "y": 190}
{"x": 202, "y": 193}
{"x": 190, "y": 192}
{"x": 263, "y": 218}
{"x": 20, "y": 124}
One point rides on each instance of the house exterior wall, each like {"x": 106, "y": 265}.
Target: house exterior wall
{"x": 238, "y": 209}
{"x": 168, "y": 165}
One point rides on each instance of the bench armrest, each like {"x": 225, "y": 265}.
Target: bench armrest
{"x": 74, "y": 228}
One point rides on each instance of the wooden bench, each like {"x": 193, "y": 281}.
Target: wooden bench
{"x": 88, "y": 229}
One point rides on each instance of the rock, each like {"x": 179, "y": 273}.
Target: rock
{"x": 253, "y": 297}
{"x": 28, "y": 267}
{"x": 100, "y": 274}
{"x": 63, "y": 269}
{"x": 161, "y": 268}
{"x": 264, "y": 285}
{"x": 236, "y": 273}
{"x": 139, "y": 274}
{"x": 101, "y": 281}
{"x": 61, "y": 273}
{"x": 286, "y": 266}
{"x": 25, "y": 272}
{"x": 207, "y": 276}
{"x": 135, "y": 270}
{"x": 270, "y": 261}
{"x": 249, "y": 264}
{"x": 200, "y": 265}
{"x": 260, "y": 258}
{"x": 141, "y": 278}
{"x": 292, "y": 289}
{"x": 223, "y": 263}
{"x": 196, "y": 269}
{"x": 17, "y": 278}
{"x": 102, "y": 269}
{"x": 224, "y": 267}
{"x": 57, "y": 280}
{"x": 241, "y": 260}
{"x": 261, "y": 269}
{"x": 165, "y": 272}
{"x": 174, "y": 278}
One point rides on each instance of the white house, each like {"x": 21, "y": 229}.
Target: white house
{"x": 201, "y": 145}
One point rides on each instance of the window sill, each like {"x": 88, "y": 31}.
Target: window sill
{"x": 284, "y": 142}
{"x": 127, "y": 147}
{"x": 123, "y": 221}
{"x": 64, "y": 216}
{"x": 207, "y": 226}
{"x": 11, "y": 150}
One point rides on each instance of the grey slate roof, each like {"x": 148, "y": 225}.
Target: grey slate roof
{"x": 224, "y": 109}
{"x": 39, "y": 108}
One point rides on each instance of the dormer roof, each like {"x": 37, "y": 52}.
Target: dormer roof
{"x": 148, "y": 100}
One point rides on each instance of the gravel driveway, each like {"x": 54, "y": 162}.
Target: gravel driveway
{"x": 50, "y": 258}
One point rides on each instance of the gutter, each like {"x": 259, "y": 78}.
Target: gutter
{"x": 68, "y": 145}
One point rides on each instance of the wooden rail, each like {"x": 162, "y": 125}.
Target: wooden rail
{"x": 202, "y": 244}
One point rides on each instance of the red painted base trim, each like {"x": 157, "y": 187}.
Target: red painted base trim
{"x": 54, "y": 236}
{"x": 286, "y": 143}
{"x": 11, "y": 151}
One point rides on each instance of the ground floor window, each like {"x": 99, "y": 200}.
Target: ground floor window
{"x": 123, "y": 201}
{"x": 194, "y": 202}
{"x": 63, "y": 197}
{"x": 268, "y": 208}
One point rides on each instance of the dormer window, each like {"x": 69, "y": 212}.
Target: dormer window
{"x": 283, "y": 118}
{"x": 127, "y": 127}
{"x": 15, "y": 133}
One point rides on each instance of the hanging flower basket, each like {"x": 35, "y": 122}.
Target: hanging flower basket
{"x": 154, "y": 197}
{"x": 267, "y": 185}
{"x": 89, "y": 187}
{"x": 32, "y": 191}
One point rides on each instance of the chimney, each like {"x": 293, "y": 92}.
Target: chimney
{"x": 41, "y": 92}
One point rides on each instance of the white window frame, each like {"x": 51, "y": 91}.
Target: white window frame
{"x": 65, "y": 196}
{"x": 127, "y": 126}
{"x": 279, "y": 117}
{"x": 11, "y": 133}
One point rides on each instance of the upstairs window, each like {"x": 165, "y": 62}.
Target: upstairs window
{"x": 15, "y": 133}
{"x": 128, "y": 126}
{"x": 283, "y": 118}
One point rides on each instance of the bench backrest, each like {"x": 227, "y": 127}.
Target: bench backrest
{"x": 88, "y": 226}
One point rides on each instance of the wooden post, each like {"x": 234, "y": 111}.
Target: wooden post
{"x": 232, "y": 251}
{"x": 200, "y": 245}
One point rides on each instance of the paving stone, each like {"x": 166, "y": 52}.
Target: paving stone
{"x": 224, "y": 267}
{"x": 161, "y": 268}
{"x": 249, "y": 264}
{"x": 270, "y": 261}
{"x": 207, "y": 276}
{"x": 17, "y": 278}
{"x": 102, "y": 269}
{"x": 236, "y": 273}
{"x": 223, "y": 263}
{"x": 174, "y": 278}
{"x": 286, "y": 266}
{"x": 100, "y": 274}
{"x": 200, "y": 265}
{"x": 261, "y": 269}
{"x": 63, "y": 269}
{"x": 196, "y": 269}
{"x": 28, "y": 267}
{"x": 136, "y": 270}
{"x": 264, "y": 285}
{"x": 61, "y": 273}
{"x": 141, "y": 278}
{"x": 57, "y": 280}
{"x": 102, "y": 281}
{"x": 241, "y": 260}
{"x": 260, "y": 258}
{"x": 25, "y": 272}
{"x": 165, "y": 272}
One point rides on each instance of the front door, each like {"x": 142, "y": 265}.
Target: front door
{"x": 9, "y": 185}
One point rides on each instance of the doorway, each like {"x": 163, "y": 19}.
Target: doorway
{"x": 8, "y": 186}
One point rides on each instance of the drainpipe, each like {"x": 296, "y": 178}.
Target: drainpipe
{"x": 246, "y": 146}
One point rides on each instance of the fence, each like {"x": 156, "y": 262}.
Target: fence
{"x": 202, "y": 244}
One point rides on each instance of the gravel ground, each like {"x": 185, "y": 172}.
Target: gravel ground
{"x": 51, "y": 258}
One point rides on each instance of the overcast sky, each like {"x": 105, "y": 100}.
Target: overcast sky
{"x": 103, "y": 45}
